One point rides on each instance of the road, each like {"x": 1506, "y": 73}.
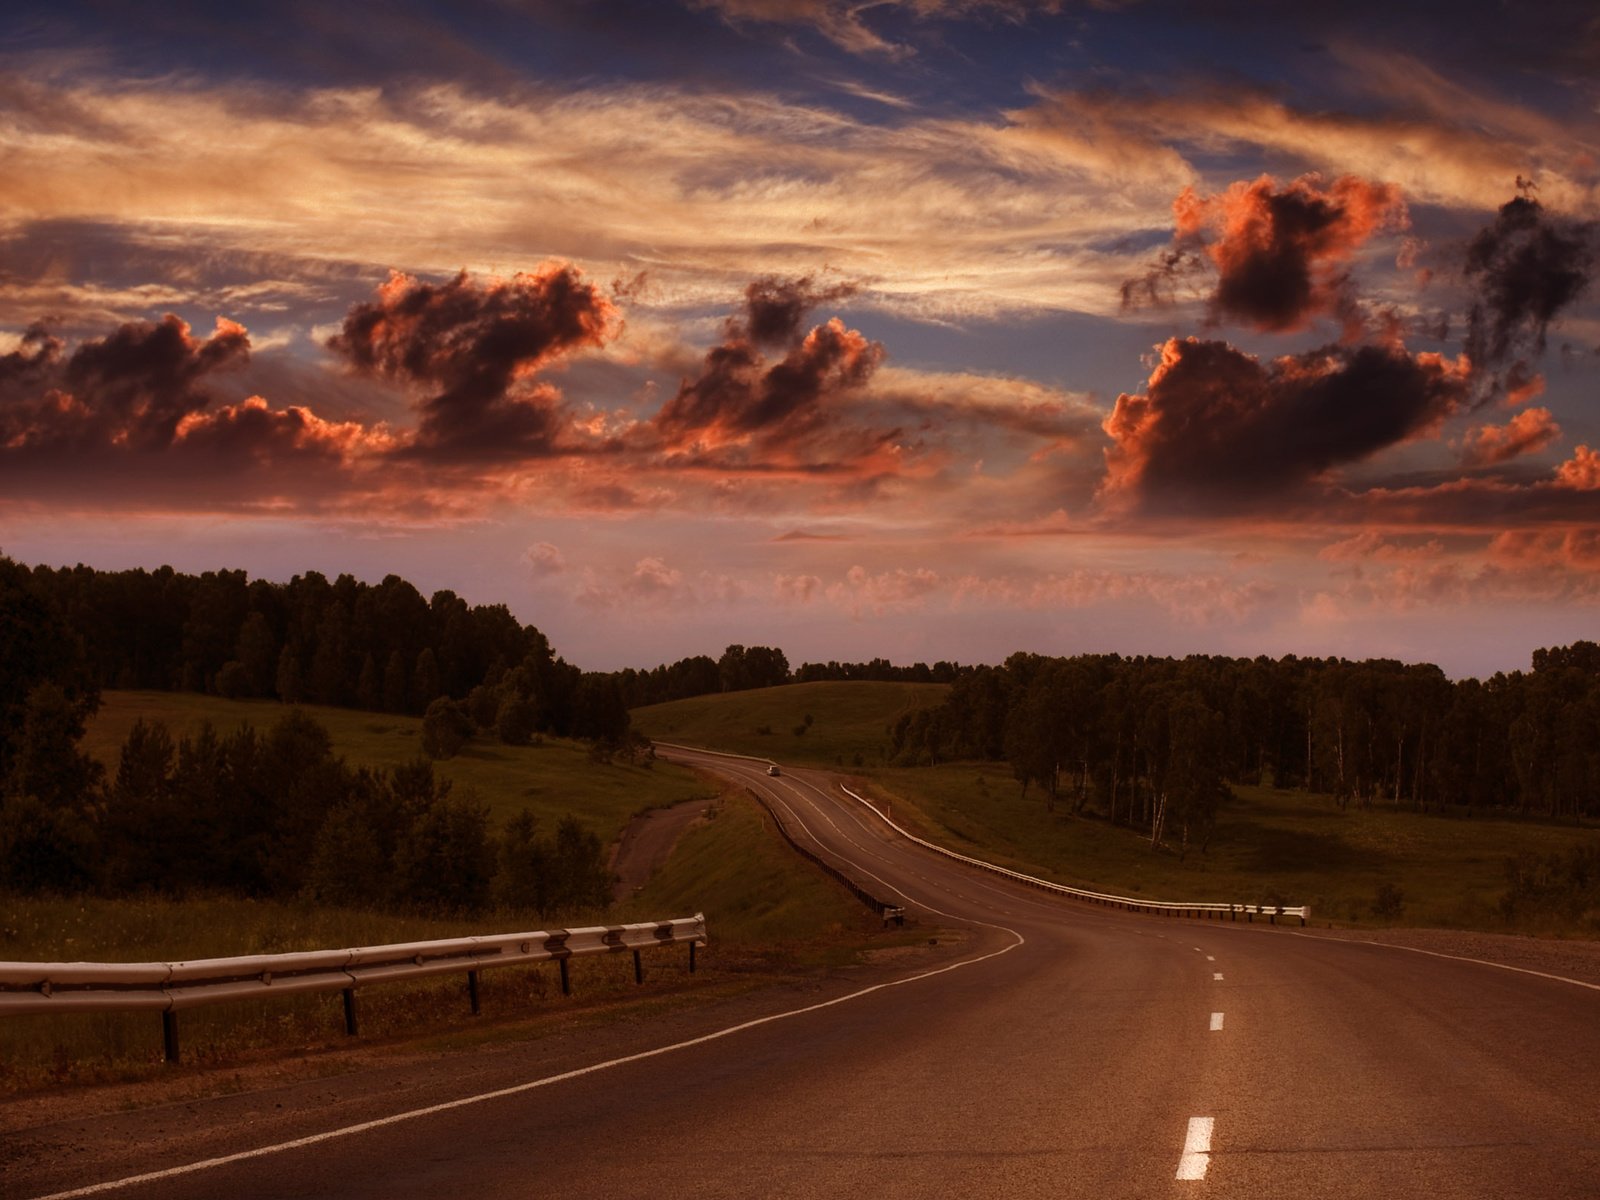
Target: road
{"x": 1069, "y": 1051}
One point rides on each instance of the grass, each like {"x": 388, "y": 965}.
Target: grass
{"x": 849, "y": 727}
{"x": 755, "y": 890}
{"x": 1270, "y": 846}
{"x": 107, "y": 1047}
{"x": 766, "y": 909}
{"x": 552, "y": 779}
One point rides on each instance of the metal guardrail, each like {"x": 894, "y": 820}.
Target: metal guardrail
{"x": 170, "y": 988}
{"x": 1250, "y": 911}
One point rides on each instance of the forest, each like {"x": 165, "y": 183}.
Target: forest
{"x": 1154, "y": 742}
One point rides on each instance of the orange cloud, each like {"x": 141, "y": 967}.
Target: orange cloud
{"x": 1281, "y": 253}
{"x": 1530, "y": 431}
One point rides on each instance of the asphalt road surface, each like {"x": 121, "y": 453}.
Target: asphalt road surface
{"x": 1069, "y": 1051}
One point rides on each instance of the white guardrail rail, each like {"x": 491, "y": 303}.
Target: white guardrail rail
{"x": 1187, "y": 909}
{"x": 1232, "y": 911}
{"x": 169, "y": 988}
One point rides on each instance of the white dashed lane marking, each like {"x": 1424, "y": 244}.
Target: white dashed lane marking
{"x": 1196, "y": 1149}
{"x": 1217, "y": 975}
{"x": 1216, "y": 1022}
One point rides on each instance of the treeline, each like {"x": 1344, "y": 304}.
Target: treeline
{"x": 274, "y": 814}
{"x": 743, "y": 667}
{"x": 346, "y": 643}
{"x": 1147, "y": 740}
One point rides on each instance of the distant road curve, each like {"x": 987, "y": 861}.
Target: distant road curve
{"x": 1071, "y": 1051}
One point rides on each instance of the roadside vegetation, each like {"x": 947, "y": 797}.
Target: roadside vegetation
{"x": 766, "y": 911}
{"x": 1271, "y": 846}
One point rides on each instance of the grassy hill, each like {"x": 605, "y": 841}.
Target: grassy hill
{"x": 1270, "y": 846}
{"x": 848, "y": 720}
{"x": 551, "y": 779}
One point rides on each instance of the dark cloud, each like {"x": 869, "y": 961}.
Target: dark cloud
{"x": 1219, "y": 429}
{"x": 787, "y": 409}
{"x": 775, "y": 308}
{"x": 130, "y": 389}
{"x": 132, "y": 418}
{"x": 476, "y": 346}
{"x": 1281, "y": 254}
{"x": 1525, "y": 269}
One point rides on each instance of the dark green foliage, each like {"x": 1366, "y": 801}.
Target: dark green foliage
{"x": 1153, "y": 741}
{"x": 515, "y": 722}
{"x": 445, "y": 860}
{"x": 1563, "y": 886}
{"x": 1389, "y": 902}
{"x": 446, "y": 728}
{"x": 343, "y": 642}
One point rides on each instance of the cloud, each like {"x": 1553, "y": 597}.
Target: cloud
{"x": 746, "y": 410}
{"x": 545, "y": 559}
{"x": 129, "y": 389}
{"x": 1219, "y": 429}
{"x": 840, "y": 21}
{"x": 475, "y": 347}
{"x": 132, "y": 418}
{"x": 1525, "y": 269}
{"x": 1281, "y": 254}
{"x": 775, "y": 307}
{"x": 1371, "y": 546}
{"x": 1530, "y": 431}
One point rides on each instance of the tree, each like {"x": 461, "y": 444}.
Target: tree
{"x": 446, "y": 861}
{"x": 445, "y": 729}
{"x": 290, "y": 690}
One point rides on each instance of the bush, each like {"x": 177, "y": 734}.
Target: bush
{"x": 1389, "y": 901}
{"x": 445, "y": 729}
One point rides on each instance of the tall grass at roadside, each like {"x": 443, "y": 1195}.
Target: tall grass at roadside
{"x": 1353, "y": 866}
{"x": 849, "y": 721}
{"x": 552, "y": 779}
{"x": 85, "y": 1047}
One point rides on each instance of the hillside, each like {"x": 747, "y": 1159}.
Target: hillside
{"x": 551, "y": 779}
{"x": 848, "y": 725}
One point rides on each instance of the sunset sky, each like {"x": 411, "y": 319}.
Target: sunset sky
{"x": 928, "y": 329}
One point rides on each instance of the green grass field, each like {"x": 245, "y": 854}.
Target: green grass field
{"x": 848, "y": 729}
{"x": 551, "y": 779}
{"x": 1270, "y": 846}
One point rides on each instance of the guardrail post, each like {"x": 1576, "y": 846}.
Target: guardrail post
{"x": 1250, "y": 916}
{"x": 638, "y": 968}
{"x": 566, "y": 979}
{"x": 350, "y": 1027}
{"x": 169, "y": 1035}
{"x": 472, "y": 990}
{"x": 692, "y": 945}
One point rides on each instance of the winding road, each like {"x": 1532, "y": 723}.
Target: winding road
{"x": 1068, "y": 1051}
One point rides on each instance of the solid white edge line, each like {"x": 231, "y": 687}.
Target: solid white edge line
{"x": 1196, "y": 1155}
{"x": 1482, "y": 962}
{"x": 466, "y": 1101}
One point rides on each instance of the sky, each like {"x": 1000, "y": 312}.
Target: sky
{"x": 921, "y": 329}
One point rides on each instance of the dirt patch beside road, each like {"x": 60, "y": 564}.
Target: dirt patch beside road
{"x": 648, "y": 841}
